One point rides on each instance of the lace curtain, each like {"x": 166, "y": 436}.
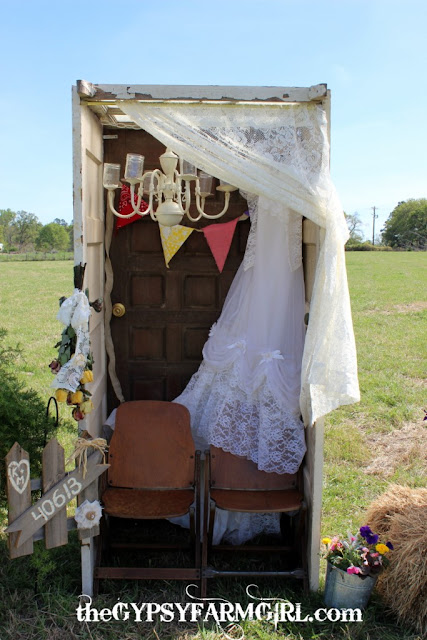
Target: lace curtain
{"x": 280, "y": 153}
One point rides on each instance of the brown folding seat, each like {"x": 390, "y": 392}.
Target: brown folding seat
{"x": 154, "y": 475}
{"x": 236, "y": 484}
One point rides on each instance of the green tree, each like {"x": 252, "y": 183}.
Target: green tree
{"x": 53, "y": 236}
{"x": 70, "y": 230}
{"x": 406, "y": 225}
{"x": 7, "y": 216}
{"x": 26, "y": 227}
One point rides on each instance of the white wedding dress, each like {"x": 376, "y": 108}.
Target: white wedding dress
{"x": 245, "y": 396}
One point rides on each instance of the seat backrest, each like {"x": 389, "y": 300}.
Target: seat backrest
{"x": 152, "y": 446}
{"x": 234, "y": 472}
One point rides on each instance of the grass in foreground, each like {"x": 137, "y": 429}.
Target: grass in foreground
{"x": 379, "y": 440}
{"x": 38, "y": 594}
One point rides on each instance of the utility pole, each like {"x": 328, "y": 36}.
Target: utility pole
{"x": 374, "y": 216}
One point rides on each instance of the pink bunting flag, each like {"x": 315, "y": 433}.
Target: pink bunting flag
{"x": 219, "y": 237}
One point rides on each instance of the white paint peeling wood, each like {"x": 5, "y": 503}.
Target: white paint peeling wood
{"x": 77, "y": 178}
{"x": 313, "y": 468}
{"x": 89, "y": 248}
{"x": 313, "y": 478}
{"x": 211, "y": 92}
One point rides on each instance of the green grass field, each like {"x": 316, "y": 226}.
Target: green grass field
{"x": 367, "y": 446}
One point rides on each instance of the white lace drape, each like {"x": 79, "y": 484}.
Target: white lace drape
{"x": 280, "y": 152}
{"x": 245, "y": 396}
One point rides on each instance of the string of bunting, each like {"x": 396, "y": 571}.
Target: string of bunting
{"x": 218, "y": 236}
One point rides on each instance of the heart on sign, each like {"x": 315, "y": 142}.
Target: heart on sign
{"x": 19, "y": 475}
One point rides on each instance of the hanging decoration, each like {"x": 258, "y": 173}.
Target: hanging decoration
{"x": 88, "y": 514}
{"x": 73, "y": 367}
{"x": 219, "y": 238}
{"x": 125, "y": 207}
{"x": 172, "y": 240}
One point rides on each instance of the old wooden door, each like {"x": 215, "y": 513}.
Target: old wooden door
{"x": 158, "y": 342}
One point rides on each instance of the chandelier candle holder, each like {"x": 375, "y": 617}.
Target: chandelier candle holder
{"x": 169, "y": 198}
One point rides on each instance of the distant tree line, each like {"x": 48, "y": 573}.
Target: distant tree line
{"x": 405, "y": 228}
{"x": 21, "y": 231}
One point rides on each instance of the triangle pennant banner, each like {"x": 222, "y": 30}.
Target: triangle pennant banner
{"x": 172, "y": 239}
{"x": 219, "y": 237}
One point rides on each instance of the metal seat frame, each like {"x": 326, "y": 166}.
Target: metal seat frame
{"x": 234, "y": 483}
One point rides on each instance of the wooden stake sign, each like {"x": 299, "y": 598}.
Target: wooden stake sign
{"x": 51, "y": 503}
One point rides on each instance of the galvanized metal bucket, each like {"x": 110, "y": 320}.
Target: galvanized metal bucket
{"x": 347, "y": 590}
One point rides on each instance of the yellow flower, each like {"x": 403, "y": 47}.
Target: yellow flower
{"x": 61, "y": 395}
{"x": 77, "y": 397}
{"x": 326, "y": 540}
{"x": 382, "y": 548}
{"x": 87, "y": 376}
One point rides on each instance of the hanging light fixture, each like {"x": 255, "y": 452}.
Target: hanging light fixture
{"x": 169, "y": 200}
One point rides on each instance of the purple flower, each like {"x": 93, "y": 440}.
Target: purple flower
{"x": 370, "y": 537}
{"x": 389, "y": 545}
{"x": 373, "y": 539}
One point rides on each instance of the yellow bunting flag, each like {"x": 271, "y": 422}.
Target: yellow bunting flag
{"x": 172, "y": 239}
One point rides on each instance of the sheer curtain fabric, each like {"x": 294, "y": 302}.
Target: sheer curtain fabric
{"x": 281, "y": 154}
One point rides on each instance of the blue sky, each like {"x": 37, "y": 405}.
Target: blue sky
{"x": 372, "y": 54}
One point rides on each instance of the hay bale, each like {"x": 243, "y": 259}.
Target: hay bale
{"x": 400, "y": 515}
{"x": 397, "y": 499}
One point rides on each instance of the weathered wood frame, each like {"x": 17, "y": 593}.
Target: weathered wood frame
{"x": 95, "y": 105}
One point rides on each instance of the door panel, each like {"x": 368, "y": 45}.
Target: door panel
{"x": 89, "y": 241}
{"x": 159, "y": 340}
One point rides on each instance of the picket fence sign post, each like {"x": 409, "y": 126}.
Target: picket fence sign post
{"x": 49, "y": 512}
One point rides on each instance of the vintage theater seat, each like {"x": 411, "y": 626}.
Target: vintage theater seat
{"x": 154, "y": 475}
{"x": 234, "y": 483}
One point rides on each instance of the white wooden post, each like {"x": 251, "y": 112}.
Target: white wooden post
{"x": 89, "y": 250}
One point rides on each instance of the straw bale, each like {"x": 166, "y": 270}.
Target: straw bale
{"x": 397, "y": 499}
{"x": 400, "y": 515}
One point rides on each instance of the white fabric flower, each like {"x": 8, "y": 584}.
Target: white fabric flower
{"x": 88, "y": 514}
{"x": 267, "y": 356}
{"x": 240, "y": 344}
{"x": 75, "y": 310}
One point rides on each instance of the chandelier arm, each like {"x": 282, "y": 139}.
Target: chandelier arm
{"x": 178, "y": 181}
{"x": 193, "y": 219}
{"x": 136, "y": 206}
{"x": 111, "y": 205}
{"x": 206, "y": 215}
{"x": 187, "y": 197}
{"x": 156, "y": 173}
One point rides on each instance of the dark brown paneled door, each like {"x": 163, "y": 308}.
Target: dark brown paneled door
{"x": 159, "y": 340}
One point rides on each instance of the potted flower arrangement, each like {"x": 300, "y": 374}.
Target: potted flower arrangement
{"x": 353, "y": 565}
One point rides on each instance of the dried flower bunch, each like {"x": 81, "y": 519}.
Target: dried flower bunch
{"x": 80, "y": 398}
{"x": 361, "y": 554}
{"x": 73, "y": 367}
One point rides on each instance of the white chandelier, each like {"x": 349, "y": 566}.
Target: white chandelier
{"x": 165, "y": 188}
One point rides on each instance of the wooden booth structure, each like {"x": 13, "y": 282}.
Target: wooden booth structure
{"x": 155, "y": 320}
